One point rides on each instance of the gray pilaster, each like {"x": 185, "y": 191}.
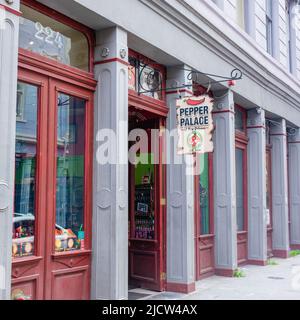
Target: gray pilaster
{"x": 9, "y": 29}
{"x": 280, "y": 212}
{"x": 110, "y": 201}
{"x": 225, "y": 184}
{"x": 294, "y": 188}
{"x": 180, "y": 204}
{"x": 257, "y": 224}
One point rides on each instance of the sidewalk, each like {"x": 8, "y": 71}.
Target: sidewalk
{"x": 272, "y": 282}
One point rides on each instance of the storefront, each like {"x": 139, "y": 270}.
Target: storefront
{"x": 85, "y": 229}
{"x": 51, "y": 247}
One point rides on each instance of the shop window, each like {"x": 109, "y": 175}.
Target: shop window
{"x": 145, "y": 77}
{"x": 52, "y": 39}
{"x": 239, "y": 156}
{"x": 204, "y": 186}
{"x": 240, "y": 119}
{"x": 25, "y": 173}
{"x": 69, "y": 228}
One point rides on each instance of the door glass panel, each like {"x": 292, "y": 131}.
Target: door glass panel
{"x": 239, "y": 155}
{"x": 204, "y": 195}
{"x": 69, "y": 228}
{"x": 25, "y": 170}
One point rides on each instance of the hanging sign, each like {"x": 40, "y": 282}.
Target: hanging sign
{"x": 194, "y": 125}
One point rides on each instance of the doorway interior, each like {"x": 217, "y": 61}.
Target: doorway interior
{"x": 147, "y": 204}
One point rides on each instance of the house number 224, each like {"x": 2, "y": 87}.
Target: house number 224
{"x": 48, "y": 35}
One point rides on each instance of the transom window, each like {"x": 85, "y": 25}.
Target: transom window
{"x": 145, "y": 77}
{"x": 53, "y": 39}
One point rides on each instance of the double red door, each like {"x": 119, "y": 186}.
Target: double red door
{"x": 241, "y": 200}
{"x": 52, "y": 211}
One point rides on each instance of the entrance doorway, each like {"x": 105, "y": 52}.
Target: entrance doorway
{"x": 147, "y": 205}
{"x": 53, "y": 168}
{"x": 241, "y": 142}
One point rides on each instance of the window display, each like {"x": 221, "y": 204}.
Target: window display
{"x": 25, "y": 171}
{"x": 144, "y": 202}
{"x": 69, "y": 229}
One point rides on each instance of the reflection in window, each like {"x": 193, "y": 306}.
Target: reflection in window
{"x": 239, "y": 155}
{"x": 69, "y": 231}
{"x": 204, "y": 195}
{"x": 239, "y": 120}
{"x": 52, "y": 39}
{"x": 25, "y": 173}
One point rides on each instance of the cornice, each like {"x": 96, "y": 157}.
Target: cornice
{"x": 280, "y": 83}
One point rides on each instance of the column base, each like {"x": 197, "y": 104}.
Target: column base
{"x": 284, "y": 254}
{"x": 258, "y": 262}
{"x": 225, "y": 272}
{"x": 295, "y": 246}
{"x": 181, "y": 287}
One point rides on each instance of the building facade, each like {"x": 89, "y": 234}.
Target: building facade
{"x": 75, "y": 89}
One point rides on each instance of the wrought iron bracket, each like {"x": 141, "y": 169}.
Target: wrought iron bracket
{"x": 153, "y": 79}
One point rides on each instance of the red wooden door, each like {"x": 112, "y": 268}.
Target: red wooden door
{"x": 29, "y": 221}
{"x": 147, "y": 205}
{"x": 241, "y": 201}
{"x": 204, "y": 218}
{"x": 51, "y": 245}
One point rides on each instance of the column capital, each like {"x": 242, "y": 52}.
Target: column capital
{"x": 294, "y": 137}
{"x": 178, "y": 76}
{"x": 111, "y": 45}
{"x": 256, "y": 118}
{"x": 278, "y": 127}
{"x": 224, "y": 101}
{"x": 11, "y": 7}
